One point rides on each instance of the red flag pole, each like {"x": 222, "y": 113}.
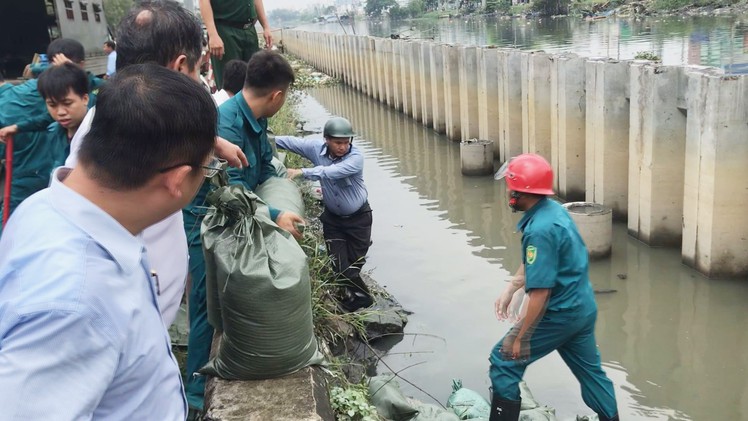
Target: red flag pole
{"x": 8, "y": 178}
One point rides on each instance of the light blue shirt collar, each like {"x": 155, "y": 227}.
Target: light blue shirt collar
{"x": 125, "y": 248}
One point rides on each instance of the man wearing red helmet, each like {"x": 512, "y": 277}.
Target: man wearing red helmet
{"x": 561, "y": 312}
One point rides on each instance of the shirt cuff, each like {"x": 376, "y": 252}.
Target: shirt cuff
{"x": 274, "y": 213}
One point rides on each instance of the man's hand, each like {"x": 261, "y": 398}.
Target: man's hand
{"x": 268, "y": 38}
{"x": 7, "y": 131}
{"x": 293, "y": 173}
{"x": 507, "y": 306}
{"x": 215, "y": 46}
{"x": 288, "y": 220}
{"x": 60, "y": 59}
{"x": 231, "y": 153}
{"x": 512, "y": 296}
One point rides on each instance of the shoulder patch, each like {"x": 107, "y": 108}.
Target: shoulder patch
{"x": 530, "y": 254}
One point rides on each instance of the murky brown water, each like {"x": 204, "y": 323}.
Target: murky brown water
{"x": 672, "y": 341}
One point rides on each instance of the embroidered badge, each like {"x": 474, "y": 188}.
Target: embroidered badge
{"x": 531, "y": 254}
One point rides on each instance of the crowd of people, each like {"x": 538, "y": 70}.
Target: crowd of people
{"x": 108, "y": 193}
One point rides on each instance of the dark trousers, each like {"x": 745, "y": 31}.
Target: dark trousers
{"x": 201, "y": 332}
{"x": 238, "y": 44}
{"x": 572, "y": 334}
{"x": 348, "y": 239}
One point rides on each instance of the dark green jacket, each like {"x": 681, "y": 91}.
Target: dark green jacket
{"x": 237, "y": 11}
{"x": 31, "y": 114}
{"x": 35, "y": 155}
{"x": 237, "y": 124}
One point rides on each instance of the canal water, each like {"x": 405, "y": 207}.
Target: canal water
{"x": 444, "y": 244}
{"x": 719, "y": 41}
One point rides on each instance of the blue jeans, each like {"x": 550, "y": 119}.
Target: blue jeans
{"x": 572, "y": 333}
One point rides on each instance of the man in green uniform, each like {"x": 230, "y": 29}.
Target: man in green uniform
{"x": 24, "y": 109}
{"x": 231, "y": 31}
{"x": 64, "y": 89}
{"x": 242, "y": 121}
{"x": 561, "y": 313}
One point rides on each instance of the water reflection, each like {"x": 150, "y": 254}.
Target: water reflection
{"x": 672, "y": 341}
{"x": 703, "y": 40}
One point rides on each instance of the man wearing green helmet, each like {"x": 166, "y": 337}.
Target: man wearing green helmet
{"x": 346, "y": 221}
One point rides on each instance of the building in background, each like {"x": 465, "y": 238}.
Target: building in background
{"x": 28, "y": 26}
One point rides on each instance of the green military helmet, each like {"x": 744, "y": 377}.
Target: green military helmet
{"x": 338, "y": 127}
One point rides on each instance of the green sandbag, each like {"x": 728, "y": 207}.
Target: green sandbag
{"x": 531, "y": 410}
{"x": 391, "y": 404}
{"x": 428, "y": 412}
{"x": 385, "y": 394}
{"x": 466, "y": 403}
{"x": 259, "y": 291}
{"x": 280, "y": 167}
{"x": 281, "y": 193}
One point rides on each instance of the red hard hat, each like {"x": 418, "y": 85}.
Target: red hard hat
{"x": 527, "y": 173}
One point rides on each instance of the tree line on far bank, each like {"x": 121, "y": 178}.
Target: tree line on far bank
{"x": 434, "y": 8}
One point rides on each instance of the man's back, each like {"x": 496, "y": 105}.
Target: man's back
{"x": 238, "y": 124}
{"x": 20, "y": 102}
{"x": 80, "y": 331}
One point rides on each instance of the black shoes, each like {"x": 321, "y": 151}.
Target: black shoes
{"x": 356, "y": 301}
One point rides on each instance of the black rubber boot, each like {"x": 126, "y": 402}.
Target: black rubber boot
{"x": 604, "y": 418}
{"x": 504, "y": 410}
{"x": 356, "y": 300}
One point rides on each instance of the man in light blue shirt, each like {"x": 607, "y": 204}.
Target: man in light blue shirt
{"x": 110, "y": 48}
{"x": 81, "y": 334}
{"x": 347, "y": 219}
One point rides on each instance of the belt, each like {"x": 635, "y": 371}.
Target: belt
{"x": 237, "y": 25}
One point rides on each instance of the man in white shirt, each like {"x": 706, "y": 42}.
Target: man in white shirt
{"x": 111, "y": 58}
{"x": 162, "y": 32}
{"x": 81, "y": 334}
{"x": 233, "y": 81}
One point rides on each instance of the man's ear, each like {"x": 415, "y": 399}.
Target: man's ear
{"x": 276, "y": 96}
{"x": 180, "y": 64}
{"x": 175, "y": 179}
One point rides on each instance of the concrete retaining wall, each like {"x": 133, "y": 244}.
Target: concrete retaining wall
{"x": 664, "y": 147}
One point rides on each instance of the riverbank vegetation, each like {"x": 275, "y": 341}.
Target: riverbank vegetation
{"x": 421, "y": 9}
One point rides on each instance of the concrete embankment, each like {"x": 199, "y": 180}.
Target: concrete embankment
{"x": 663, "y": 146}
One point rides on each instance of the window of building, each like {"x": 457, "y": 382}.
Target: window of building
{"x": 69, "y": 9}
{"x": 97, "y": 12}
{"x": 50, "y": 5}
{"x": 84, "y": 10}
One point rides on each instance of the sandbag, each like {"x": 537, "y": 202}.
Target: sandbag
{"x": 391, "y": 404}
{"x": 466, "y": 403}
{"x": 259, "y": 292}
{"x": 531, "y": 410}
{"x": 280, "y": 167}
{"x": 283, "y": 194}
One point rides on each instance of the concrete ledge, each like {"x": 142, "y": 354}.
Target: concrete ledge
{"x": 301, "y": 396}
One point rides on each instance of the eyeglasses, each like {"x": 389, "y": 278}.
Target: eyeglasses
{"x": 211, "y": 169}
